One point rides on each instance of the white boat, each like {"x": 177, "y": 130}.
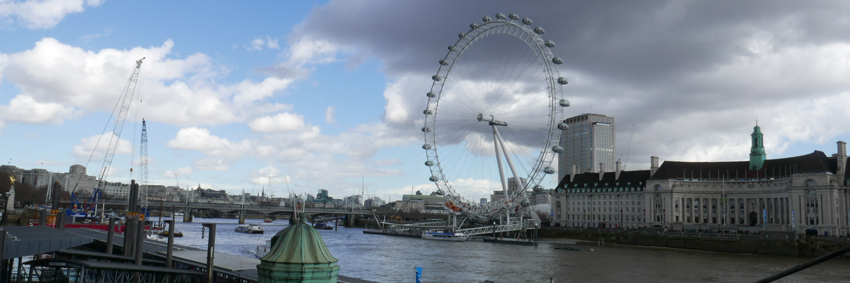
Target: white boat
{"x": 250, "y": 229}
{"x": 455, "y": 237}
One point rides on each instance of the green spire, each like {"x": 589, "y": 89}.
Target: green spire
{"x": 757, "y": 155}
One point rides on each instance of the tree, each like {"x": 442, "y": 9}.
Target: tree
{"x": 23, "y": 192}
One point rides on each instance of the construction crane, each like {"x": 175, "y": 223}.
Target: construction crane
{"x": 124, "y": 104}
{"x": 143, "y": 168}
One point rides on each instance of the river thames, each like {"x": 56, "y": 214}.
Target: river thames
{"x": 392, "y": 259}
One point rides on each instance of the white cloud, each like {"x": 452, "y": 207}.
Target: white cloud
{"x": 42, "y": 14}
{"x": 258, "y": 43}
{"x": 174, "y": 91}
{"x": 179, "y": 172}
{"x": 313, "y": 52}
{"x": 329, "y": 115}
{"x": 278, "y": 123}
{"x": 200, "y": 139}
{"x": 25, "y": 109}
{"x": 211, "y": 164}
{"x": 96, "y": 146}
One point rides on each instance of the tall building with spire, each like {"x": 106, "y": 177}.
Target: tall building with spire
{"x": 757, "y": 154}
{"x": 589, "y": 141}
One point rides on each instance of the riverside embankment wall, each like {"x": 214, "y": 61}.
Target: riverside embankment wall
{"x": 766, "y": 244}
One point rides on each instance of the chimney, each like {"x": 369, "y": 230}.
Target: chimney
{"x": 572, "y": 173}
{"x": 601, "y": 170}
{"x": 617, "y": 170}
{"x": 841, "y": 162}
{"x": 653, "y": 165}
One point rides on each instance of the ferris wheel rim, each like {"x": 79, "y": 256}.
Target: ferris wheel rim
{"x": 540, "y": 48}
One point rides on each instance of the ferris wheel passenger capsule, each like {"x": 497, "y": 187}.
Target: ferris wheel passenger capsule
{"x": 427, "y": 112}
{"x": 473, "y": 25}
{"x": 527, "y": 21}
{"x": 444, "y": 63}
{"x": 549, "y": 43}
{"x": 436, "y": 78}
{"x": 539, "y": 30}
{"x": 561, "y": 80}
{"x": 549, "y": 170}
{"x": 429, "y": 163}
{"x": 557, "y": 60}
{"x": 538, "y": 188}
{"x": 431, "y": 94}
{"x": 426, "y": 146}
{"x": 434, "y": 179}
{"x": 514, "y": 16}
{"x": 557, "y": 149}
{"x": 460, "y": 35}
{"x": 564, "y": 103}
{"x": 486, "y": 19}
{"x": 500, "y": 16}
{"x": 426, "y": 130}
{"x": 563, "y": 126}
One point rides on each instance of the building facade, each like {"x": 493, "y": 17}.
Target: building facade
{"x": 589, "y": 141}
{"x": 77, "y": 179}
{"x": 807, "y": 192}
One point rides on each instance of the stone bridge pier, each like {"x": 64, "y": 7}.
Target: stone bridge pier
{"x": 187, "y": 216}
{"x": 349, "y": 220}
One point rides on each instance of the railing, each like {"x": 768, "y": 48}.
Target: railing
{"x": 489, "y": 229}
{"x": 268, "y": 208}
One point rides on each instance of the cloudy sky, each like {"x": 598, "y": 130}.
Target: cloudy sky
{"x": 247, "y": 95}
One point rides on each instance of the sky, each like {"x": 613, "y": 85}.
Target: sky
{"x": 297, "y": 96}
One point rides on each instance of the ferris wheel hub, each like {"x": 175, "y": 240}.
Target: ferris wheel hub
{"x": 492, "y": 120}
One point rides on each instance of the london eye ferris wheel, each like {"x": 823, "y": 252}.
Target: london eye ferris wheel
{"x": 493, "y": 119}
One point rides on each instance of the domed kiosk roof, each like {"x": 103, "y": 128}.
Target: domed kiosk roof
{"x": 298, "y": 254}
{"x": 299, "y": 244}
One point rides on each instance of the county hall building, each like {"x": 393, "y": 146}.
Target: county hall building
{"x": 789, "y": 194}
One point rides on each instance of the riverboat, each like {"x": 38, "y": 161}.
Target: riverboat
{"x": 322, "y": 226}
{"x": 165, "y": 234}
{"x": 440, "y": 236}
{"x": 250, "y": 229}
{"x": 268, "y": 220}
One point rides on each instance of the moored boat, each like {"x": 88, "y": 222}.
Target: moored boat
{"x": 165, "y": 234}
{"x": 441, "y": 236}
{"x": 250, "y": 229}
{"x": 322, "y": 226}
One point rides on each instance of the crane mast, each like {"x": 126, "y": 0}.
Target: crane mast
{"x": 143, "y": 173}
{"x": 124, "y": 100}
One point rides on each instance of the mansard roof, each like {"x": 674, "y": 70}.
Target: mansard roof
{"x": 591, "y": 179}
{"x": 815, "y": 162}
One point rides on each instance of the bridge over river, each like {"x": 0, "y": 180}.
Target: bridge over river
{"x": 267, "y": 210}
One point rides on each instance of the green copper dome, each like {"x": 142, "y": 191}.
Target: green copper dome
{"x": 298, "y": 254}
{"x": 299, "y": 243}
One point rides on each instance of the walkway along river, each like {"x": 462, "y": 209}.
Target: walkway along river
{"x": 392, "y": 259}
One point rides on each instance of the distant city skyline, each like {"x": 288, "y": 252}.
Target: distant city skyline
{"x": 301, "y": 96}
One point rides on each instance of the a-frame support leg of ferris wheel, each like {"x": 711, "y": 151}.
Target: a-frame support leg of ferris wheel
{"x": 499, "y": 146}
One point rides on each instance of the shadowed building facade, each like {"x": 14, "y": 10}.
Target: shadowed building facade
{"x": 589, "y": 141}
{"x": 797, "y": 193}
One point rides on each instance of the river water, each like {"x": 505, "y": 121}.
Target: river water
{"x": 393, "y": 259}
